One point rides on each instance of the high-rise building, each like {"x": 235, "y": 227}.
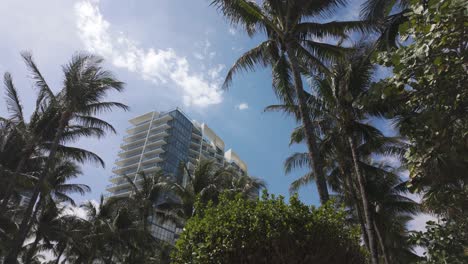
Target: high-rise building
{"x": 162, "y": 141}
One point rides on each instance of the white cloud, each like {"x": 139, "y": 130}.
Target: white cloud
{"x": 232, "y": 31}
{"x": 156, "y": 65}
{"x": 215, "y": 71}
{"x": 78, "y": 211}
{"x": 198, "y": 55}
{"x": 419, "y": 222}
{"x": 242, "y": 106}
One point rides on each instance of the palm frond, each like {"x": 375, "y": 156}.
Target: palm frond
{"x": 242, "y": 12}
{"x": 101, "y": 107}
{"x": 94, "y": 122}
{"x": 297, "y": 160}
{"x": 79, "y": 155}
{"x": 302, "y": 181}
{"x": 12, "y": 99}
{"x": 282, "y": 80}
{"x": 45, "y": 93}
{"x": 334, "y": 29}
{"x": 248, "y": 61}
{"x": 73, "y": 133}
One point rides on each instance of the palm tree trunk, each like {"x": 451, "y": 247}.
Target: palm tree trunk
{"x": 314, "y": 154}
{"x": 355, "y": 200}
{"x": 30, "y": 213}
{"x": 383, "y": 247}
{"x": 60, "y": 254}
{"x": 365, "y": 204}
{"x": 11, "y": 184}
{"x": 111, "y": 255}
{"x": 31, "y": 251}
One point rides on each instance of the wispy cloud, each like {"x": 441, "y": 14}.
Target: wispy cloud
{"x": 242, "y": 106}
{"x": 156, "y": 65}
{"x": 232, "y": 31}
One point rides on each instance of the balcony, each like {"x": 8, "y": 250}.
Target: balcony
{"x": 148, "y": 157}
{"x": 156, "y": 142}
{"x": 127, "y": 162}
{"x": 138, "y": 128}
{"x": 196, "y": 136}
{"x": 125, "y": 170}
{"x": 161, "y": 126}
{"x": 194, "y": 157}
{"x": 123, "y": 160}
{"x": 139, "y": 134}
{"x": 132, "y": 148}
{"x": 153, "y": 150}
{"x": 118, "y": 177}
{"x": 114, "y": 186}
{"x": 124, "y": 183}
{"x": 148, "y": 166}
{"x": 195, "y": 143}
{"x": 121, "y": 193}
{"x": 133, "y": 144}
{"x": 162, "y": 118}
{"x": 193, "y": 151}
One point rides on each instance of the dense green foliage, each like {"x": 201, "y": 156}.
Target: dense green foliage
{"x": 268, "y": 231}
{"x": 427, "y": 95}
{"x": 445, "y": 243}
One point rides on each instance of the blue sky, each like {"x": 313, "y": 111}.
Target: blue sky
{"x": 170, "y": 53}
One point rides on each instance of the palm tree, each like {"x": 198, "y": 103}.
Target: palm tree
{"x": 386, "y": 16}
{"x": 392, "y": 211}
{"x": 345, "y": 139}
{"x": 72, "y": 230}
{"x": 110, "y": 233}
{"x": 26, "y": 136}
{"x": 291, "y": 48}
{"x": 147, "y": 192}
{"x": 344, "y": 86}
{"x": 246, "y": 185}
{"x": 92, "y": 238}
{"x": 85, "y": 85}
{"x": 50, "y": 222}
{"x": 206, "y": 181}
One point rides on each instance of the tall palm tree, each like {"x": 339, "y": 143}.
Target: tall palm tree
{"x": 346, "y": 140}
{"x": 206, "y": 181}
{"x": 50, "y": 222}
{"x": 27, "y": 136}
{"x": 110, "y": 234}
{"x": 344, "y": 86}
{"x": 291, "y": 47}
{"x": 241, "y": 183}
{"x": 147, "y": 192}
{"x": 392, "y": 211}
{"x": 85, "y": 85}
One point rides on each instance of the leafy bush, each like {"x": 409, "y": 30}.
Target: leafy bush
{"x": 268, "y": 230}
{"x": 444, "y": 243}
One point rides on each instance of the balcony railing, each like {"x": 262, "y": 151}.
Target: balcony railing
{"x": 127, "y": 172}
{"x": 135, "y": 134}
{"x": 154, "y": 156}
{"x": 127, "y": 157}
{"x": 149, "y": 166}
{"x": 139, "y": 124}
{"x": 131, "y": 148}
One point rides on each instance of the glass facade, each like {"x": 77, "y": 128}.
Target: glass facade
{"x": 177, "y": 143}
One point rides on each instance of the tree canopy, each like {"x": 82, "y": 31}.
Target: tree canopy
{"x": 268, "y": 230}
